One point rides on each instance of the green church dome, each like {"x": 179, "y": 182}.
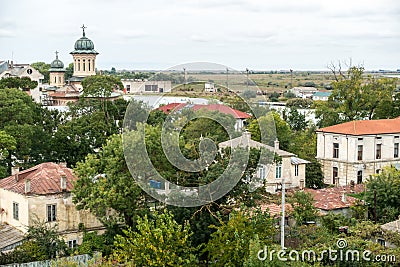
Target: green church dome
{"x": 84, "y": 45}
{"x": 57, "y": 65}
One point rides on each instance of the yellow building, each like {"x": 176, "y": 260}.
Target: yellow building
{"x": 57, "y": 72}
{"x": 43, "y": 193}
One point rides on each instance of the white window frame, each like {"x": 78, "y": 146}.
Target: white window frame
{"x": 51, "y": 212}
{"x": 278, "y": 171}
{"x": 16, "y": 211}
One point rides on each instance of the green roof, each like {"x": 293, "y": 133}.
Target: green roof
{"x": 57, "y": 65}
{"x": 322, "y": 94}
{"x": 84, "y": 45}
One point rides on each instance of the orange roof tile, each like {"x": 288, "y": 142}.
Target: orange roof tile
{"x": 276, "y": 209}
{"x": 45, "y": 179}
{"x": 364, "y": 127}
{"x": 332, "y": 198}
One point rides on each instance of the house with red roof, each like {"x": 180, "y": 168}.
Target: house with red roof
{"x": 240, "y": 116}
{"x": 42, "y": 193}
{"x": 335, "y": 199}
{"x": 353, "y": 151}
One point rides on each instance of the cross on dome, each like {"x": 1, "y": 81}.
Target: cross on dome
{"x": 83, "y": 29}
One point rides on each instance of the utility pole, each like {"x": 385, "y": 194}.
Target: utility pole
{"x": 184, "y": 79}
{"x": 247, "y": 79}
{"x": 291, "y": 78}
{"x": 283, "y": 214}
{"x": 375, "y": 206}
{"x": 227, "y": 79}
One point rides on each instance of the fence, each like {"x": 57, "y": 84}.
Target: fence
{"x": 80, "y": 260}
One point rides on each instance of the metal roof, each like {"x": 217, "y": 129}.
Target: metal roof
{"x": 10, "y": 237}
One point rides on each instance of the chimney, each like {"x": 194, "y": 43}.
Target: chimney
{"x": 63, "y": 164}
{"x": 27, "y": 186}
{"x": 276, "y": 144}
{"x": 344, "y": 198}
{"x": 63, "y": 182}
{"x": 14, "y": 170}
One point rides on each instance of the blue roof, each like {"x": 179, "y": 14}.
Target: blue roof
{"x": 322, "y": 94}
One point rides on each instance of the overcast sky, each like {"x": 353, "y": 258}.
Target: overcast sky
{"x": 254, "y": 34}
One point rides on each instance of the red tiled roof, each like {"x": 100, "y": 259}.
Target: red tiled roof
{"x": 45, "y": 179}
{"x": 275, "y": 209}
{"x": 332, "y": 198}
{"x": 385, "y": 126}
{"x": 237, "y": 114}
{"x": 171, "y": 107}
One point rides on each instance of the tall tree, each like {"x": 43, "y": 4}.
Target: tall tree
{"x": 303, "y": 207}
{"x": 229, "y": 244}
{"x": 157, "y": 242}
{"x": 69, "y": 71}
{"x": 386, "y": 186}
{"x": 273, "y": 126}
{"x": 355, "y": 98}
{"x": 18, "y": 83}
{"x": 106, "y": 188}
{"x": 80, "y": 136}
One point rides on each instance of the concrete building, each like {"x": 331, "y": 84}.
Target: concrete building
{"x": 291, "y": 168}
{"x": 9, "y": 69}
{"x": 353, "y": 151}
{"x": 43, "y": 193}
{"x": 321, "y": 96}
{"x": 134, "y": 86}
{"x": 303, "y": 92}
{"x": 210, "y": 88}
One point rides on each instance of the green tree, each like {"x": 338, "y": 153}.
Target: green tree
{"x": 387, "y": 187}
{"x": 299, "y": 103}
{"x": 69, "y": 71}
{"x": 229, "y": 244}
{"x": 157, "y": 242}
{"x": 19, "y": 83}
{"x": 282, "y": 130}
{"x": 80, "y": 136}
{"x": 43, "y": 68}
{"x": 303, "y": 207}
{"x": 7, "y": 143}
{"x": 101, "y": 87}
{"x": 355, "y": 98}
{"x": 314, "y": 175}
{"x": 47, "y": 239}
{"x": 296, "y": 120}
{"x": 20, "y": 118}
{"x": 105, "y": 183}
